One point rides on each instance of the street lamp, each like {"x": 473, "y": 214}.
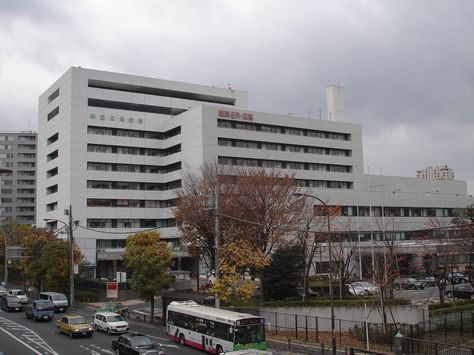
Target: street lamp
{"x": 70, "y": 248}
{"x": 331, "y": 289}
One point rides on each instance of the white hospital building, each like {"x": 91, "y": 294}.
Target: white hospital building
{"x": 112, "y": 146}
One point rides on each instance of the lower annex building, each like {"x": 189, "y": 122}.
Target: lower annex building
{"x": 112, "y": 146}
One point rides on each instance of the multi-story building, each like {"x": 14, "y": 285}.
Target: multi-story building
{"x": 18, "y": 188}
{"x": 113, "y": 147}
{"x": 440, "y": 172}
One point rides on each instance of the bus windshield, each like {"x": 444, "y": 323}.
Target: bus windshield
{"x": 249, "y": 334}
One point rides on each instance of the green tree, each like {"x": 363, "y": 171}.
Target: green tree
{"x": 148, "y": 258}
{"x": 283, "y": 275}
{"x": 44, "y": 257}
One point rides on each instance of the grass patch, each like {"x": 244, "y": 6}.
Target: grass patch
{"x": 459, "y": 306}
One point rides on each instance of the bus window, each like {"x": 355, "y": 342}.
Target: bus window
{"x": 249, "y": 334}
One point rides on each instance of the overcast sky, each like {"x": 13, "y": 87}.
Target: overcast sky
{"x": 407, "y": 66}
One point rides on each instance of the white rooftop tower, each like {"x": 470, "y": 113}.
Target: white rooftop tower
{"x": 335, "y": 103}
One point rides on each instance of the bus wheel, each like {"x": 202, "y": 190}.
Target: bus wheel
{"x": 182, "y": 341}
{"x": 219, "y": 349}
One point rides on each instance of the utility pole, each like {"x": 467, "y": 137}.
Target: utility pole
{"x": 217, "y": 243}
{"x": 71, "y": 258}
{"x": 69, "y": 230}
{"x": 5, "y": 280}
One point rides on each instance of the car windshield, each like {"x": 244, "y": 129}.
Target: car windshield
{"x": 116, "y": 318}
{"x": 18, "y": 293}
{"x": 77, "y": 320}
{"x": 140, "y": 341}
{"x": 366, "y": 284}
{"x": 44, "y": 306}
{"x": 59, "y": 297}
{"x": 249, "y": 334}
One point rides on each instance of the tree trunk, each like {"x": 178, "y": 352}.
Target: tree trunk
{"x": 441, "y": 295}
{"x": 152, "y": 311}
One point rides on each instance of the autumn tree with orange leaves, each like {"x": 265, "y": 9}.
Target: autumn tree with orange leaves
{"x": 257, "y": 212}
{"x": 44, "y": 259}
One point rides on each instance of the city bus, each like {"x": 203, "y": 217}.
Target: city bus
{"x": 213, "y": 330}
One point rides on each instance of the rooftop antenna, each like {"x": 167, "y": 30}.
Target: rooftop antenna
{"x": 309, "y": 112}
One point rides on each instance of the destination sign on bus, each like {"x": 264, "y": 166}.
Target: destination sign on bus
{"x": 249, "y": 321}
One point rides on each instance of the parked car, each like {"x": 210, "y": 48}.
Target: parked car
{"x": 369, "y": 288}
{"x": 40, "y": 309}
{"x": 457, "y": 278}
{"x": 3, "y": 291}
{"x": 465, "y": 291}
{"x": 11, "y": 303}
{"x": 429, "y": 281}
{"x": 59, "y": 300}
{"x": 73, "y": 325}
{"x": 408, "y": 283}
{"x": 110, "y": 322}
{"x": 135, "y": 343}
{"x": 114, "y": 307}
{"x": 355, "y": 290}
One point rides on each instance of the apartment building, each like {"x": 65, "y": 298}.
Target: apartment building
{"x": 18, "y": 187}
{"x": 440, "y": 172}
{"x": 113, "y": 147}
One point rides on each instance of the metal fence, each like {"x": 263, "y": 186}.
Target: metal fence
{"x": 412, "y": 346}
{"x": 454, "y": 328}
{"x": 450, "y": 328}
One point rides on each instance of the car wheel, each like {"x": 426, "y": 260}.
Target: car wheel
{"x": 70, "y": 334}
{"x": 108, "y": 330}
{"x": 182, "y": 340}
{"x": 96, "y": 328}
{"x": 219, "y": 349}
{"x": 448, "y": 294}
{"x": 59, "y": 330}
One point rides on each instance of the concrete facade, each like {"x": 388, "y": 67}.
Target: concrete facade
{"x": 18, "y": 189}
{"x": 113, "y": 146}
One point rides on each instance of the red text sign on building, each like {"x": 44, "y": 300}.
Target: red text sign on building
{"x": 235, "y": 115}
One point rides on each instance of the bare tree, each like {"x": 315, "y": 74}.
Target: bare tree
{"x": 255, "y": 205}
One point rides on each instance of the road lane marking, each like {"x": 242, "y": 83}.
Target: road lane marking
{"x": 27, "y": 334}
{"x": 20, "y": 341}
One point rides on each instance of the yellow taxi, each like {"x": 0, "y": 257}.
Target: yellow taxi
{"x": 74, "y": 325}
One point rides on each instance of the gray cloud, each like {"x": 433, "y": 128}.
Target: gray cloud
{"x": 406, "y": 65}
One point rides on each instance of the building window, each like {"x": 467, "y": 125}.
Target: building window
{"x": 52, "y": 189}
{"x": 54, "y": 95}
{"x": 52, "y": 172}
{"x": 52, "y": 155}
{"x": 53, "y": 113}
{"x": 53, "y": 138}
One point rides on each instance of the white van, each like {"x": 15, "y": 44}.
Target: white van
{"x": 58, "y": 299}
{"x": 110, "y": 322}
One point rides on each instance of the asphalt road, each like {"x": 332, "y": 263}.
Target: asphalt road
{"x": 21, "y": 336}
{"x": 427, "y": 295}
